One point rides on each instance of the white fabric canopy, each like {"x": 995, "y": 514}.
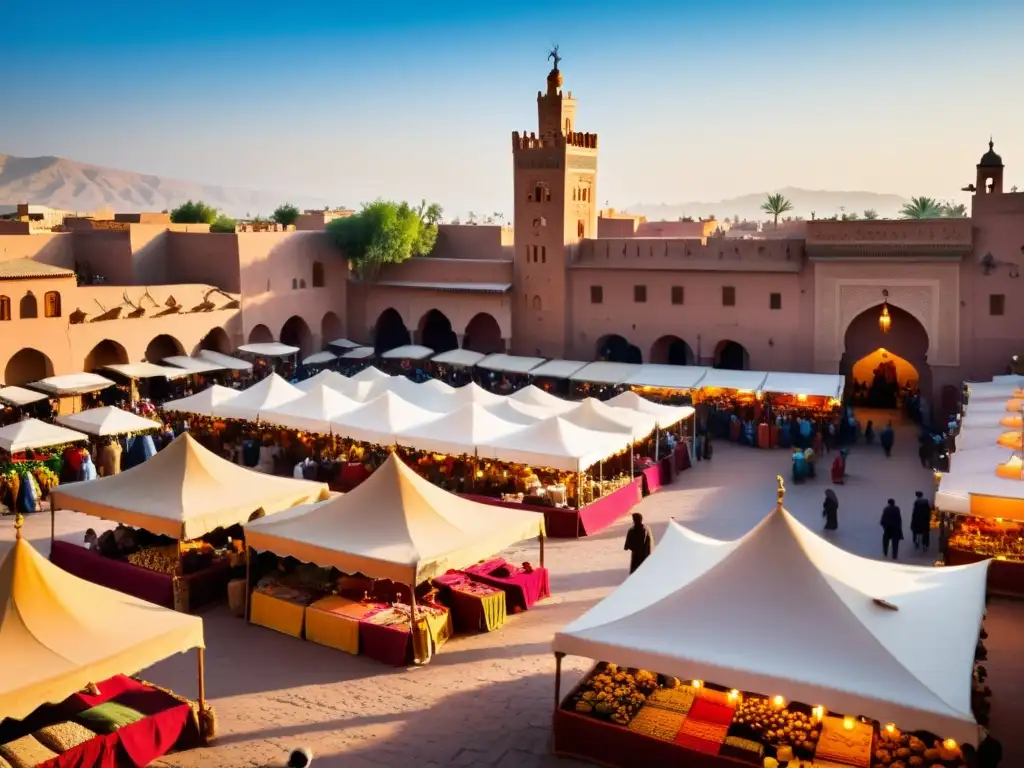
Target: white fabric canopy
{"x": 597, "y": 416}
{"x": 108, "y": 421}
{"x": 665, "y": 415}
{"x": 428, "y": 398}
{"x": 228, "y": 361}
{"x": 993, "y": 390}
{"x": 510, "y": 363}
{"x": 73, "y": 384}
{"x": 269, "y": 349}
{"x": 331, "y": 379}
{"x": 603, "y": 372}
{"x": 558, "y": 369}
{"x": 319, "y": 358}
{"x": 370, "y": 374}
{"x": 147, "y": 371}
{"x": 781, "y": 611}
{"x": 518, "y": 413}
{"x": 955, "y": 489}
{"x": 980, "y": 437}
{"x": 19, "y": 396}
{"x": 669, "y": 376}
{"x": 381, "y": 420}
{"x": 555, "y": 443}
{"x": 810, "y": 384}
{"x": 272, "y": 392}
{"x": 33, "y": 433}
{"x": 458, "y": 432}
{"x": 408, "y": 352}
{"x": 359, "y": 353}
{"x": 396, "y": 526}
{"x": 465, "y": 358}
{"x": 473, "y": 393}
{"x": 746, "y": 381}
{"x": 989, "y": 420}
{"x": 437, "y": 386}
{"x": 194, "y": 364}
{"x": 344, "y": 344}
{"x": 537, "y": 397}
{"x": 313, "y": 412}
{"x": 206, "y": 403}
{"x": 977, "y": 408}
{"x": 979, "y": 460}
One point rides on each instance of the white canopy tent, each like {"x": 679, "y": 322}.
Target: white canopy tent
{"x": 472, "y": 393}
{"x": 269, "y": 349}
{"x": 359, "y": 353}
{"x": 319, "y": 358}
{"x": 594, "y": 415}
{"x": 331, "y": 379}
{"x": 381, "y": 420}
{"x": 72, "y": 384}
{"x": 982, "y": 437}
{"x": 956, "y": 488}
{"x": 408, "y": 352}
{"x": 806, "y": 384}
{"x": 108, "y": 421}
{"x": 344, "y": 344}
{"x": 265, "y": 395}
{"x": 230, "y": 362}
{"x": 555, "y": 443}
{"x": 518, "y": 413}
{"x": 825, "y": 632}
{"x": 370, "y": 374}
{"x": 147, "y": 371}
{"x": 460, "y": 358}
{"x": 538, "y": 398}
{"x": 558, "y": 369}
{"x": 194, "y": 364}
{"x": 665, "y": 415}
{"x": 416, "y": 530}
{"x": 603, "y": 372}
{"x": 206, "y": 403}
{"x": 503, "y": 363}
{"x": 991, "y": 419}
{"x": 32, "y": 433}
{"x": 996, "y": 406}
{"x": 458, "y": 432}
{"x": 427, "y": 398}
{"x": 313, "y": 412}
{"x": 438, "y": 387}
{"x": 979, "y": 460}
{"x": 669, "y": 376}
{"x": 744, "y": 381}
{"x": 1001, "y": 388}
{"x": 18, "y": 396}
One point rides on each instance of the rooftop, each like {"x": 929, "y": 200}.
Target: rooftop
{"x": 21, "y": 269}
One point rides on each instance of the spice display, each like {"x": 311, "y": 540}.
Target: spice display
{"x": 616, "y": 694}
{"x": 159, "y": 559}
{"x": 1001, "y": 539}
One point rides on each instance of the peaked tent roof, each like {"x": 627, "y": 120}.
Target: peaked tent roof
{"x": 535, "y": 396}
{"x": 600, "y": 417}
{"x": 205, "y": 403}
{"x": 108, "y": 421}
{"x": 518, "y": 413}
{"x": 269, "y": 349}
{"x": 473, "y": 393}
{"x": 381, "y": 420}
{"x": 72, "y": 384}
{"x": 32, "y": 433}
{"x": 271, "y": 392}
{"x": 18, "y": 396}
{"x": 459, "y": 431}
{"x": 438, "y": 386}
{"x": 228, "y": 361}
{"x": 194, "y": 364}
{"x": 555, "y": 443}
{"x": 326, "y": 378}
{"x": 416, "y": 530}
{"x": 666, "y": 415}
{"x": 821, "y": 638}
{"x": 318, "y": 358}
{"x": 979, "y": 460}
{"x": 427, "y": 398}
{"x": 66, "y": 632}
{"x": 370, "y": 373}
{"x": 185, "y": 491}
{"x": 312, "y": 412}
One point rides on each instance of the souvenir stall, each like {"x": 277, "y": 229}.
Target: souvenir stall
{"x": 455, "y": 367}
{"x": 354, "y": 360}
{"x": 18, "y": 401}
{"x": 505, "y": 374}
{"x": 408, "y": 360}
{"x": 206, "y": 403}
{"x": 668, "y": 384}
{"x": 119, "y": 439}
{"x": 669, "y": 420}
{"x": 31, "y": 460}
{"x": 555, "y": 376}
{"x": 271, "y": 356}
{"x": 853, "y": 662}
{"x": 149, "y": 381}
{"x": 75, "y": 391}
{"x": 68, "y": 647}
{"x": 361, "y": 583}
{"x": 174, "y": 545}
{"x": 602, "y": 379}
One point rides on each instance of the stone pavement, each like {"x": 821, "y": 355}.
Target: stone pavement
{"x": 486, "y": 700}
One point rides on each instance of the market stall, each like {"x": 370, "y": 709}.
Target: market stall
{"x": 70, "y": 389}
{"x": 68, "y": 642}
{"x": 556, "y": 376}
{"x": 368, "y": 586}
{"x": 354, "y": 359}
{"x": 670, "y": 384}
{"x": 668, "y": 418}
{"x": 31, "y": 462}
{"x": 230, "y": 362}
{"x": 838, "y": 645}
{"x": 457, "y": 433}
{"x": 313, "y": 412}
{"x": 265, "y": 395}
{"x": 269, "y": 349}
{"x": 319, "y": 359}
{"x": 602, "y": 379}
{"x": 382, "y": 419}
{"x": 206, "y": 403}
{"x": 507, "y": 373}
{"x": 455, "y": 366}
{"x": 180, "y": 504}
{"x": 108, "y": 421}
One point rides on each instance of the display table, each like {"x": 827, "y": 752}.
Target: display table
{"x": 475, "y": 607}
{"x": 384, "y": 634}
{"x": 521, "y": 589}
{"x": 334, "y": 621}
{"x": 202, "y": 587}
{"x": 277, "y": 613}
{"x": 1005, "y": 577}
{"x": 682, "y": 457}
{"x": 665, "y": 465}
{"x": 652, "y": 477}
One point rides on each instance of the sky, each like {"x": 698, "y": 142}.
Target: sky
{"x": 410, "y": 100}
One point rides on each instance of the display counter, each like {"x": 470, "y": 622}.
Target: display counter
{"x": 195, "y": 589}
{"x": 682, "y": 458}
{"x": 334, "y": 621}
{"x": 384, "y": 633}
{"x": 475, "y": 607}
{"x": 522, "y": 588}
{"x": 278, "y": 612}
{"x": 659, "y": 474}
{"x": 972, "y": 540}
{"x": 1005, "y": 577}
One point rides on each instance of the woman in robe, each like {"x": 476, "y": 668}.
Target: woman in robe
{"x": 839, "y": 468}
{"x": 830, "y": 510}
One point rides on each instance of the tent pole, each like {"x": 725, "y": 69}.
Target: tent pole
{"x": 53, "y": 520}
{"x": 202, "y": 678}
{"x": 657, "y": 443}
{"x": 540, "y": 540}
{"x": 558, "y": 679}
{"x": 248, "y": 580}
{"x": 412, "y": 622}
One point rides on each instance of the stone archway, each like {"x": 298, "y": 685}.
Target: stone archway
{"x": 27, "y": 365}
{"x": 389, "y": 331}
{"x": 331, "y": 328}
{"x": 671, "y": 350}
{"x": 614, "y": 348}
{"x": 163, "y": 346}
{"x": 483, "y": 335}
{"x": 907, "y": 339}
{"x": 216, "y": 340}
{"x": 260, "y": 334}
{"x": 435, "y": 332}
{"x": 296, "y": 333}
{"x": 731, "y": 356}
{"x": 107, "y": 352}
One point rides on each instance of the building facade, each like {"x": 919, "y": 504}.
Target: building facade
{"x": 563, "y": 282}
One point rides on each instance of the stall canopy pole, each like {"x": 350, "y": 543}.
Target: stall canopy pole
{"x": 412, "y": 623}
{"x": 248, "y": 579}
{"x": 657, "y": 443}
{"x": 558, "y": 679}
{"x": 540, "y": 539}
{"x": 202, "y": 679}
{"x": 53, "y": 520}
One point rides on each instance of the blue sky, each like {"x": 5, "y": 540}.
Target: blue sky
{"x": 693, "y": 101}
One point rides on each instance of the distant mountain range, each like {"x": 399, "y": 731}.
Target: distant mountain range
{"x": 823, "y": 203}
{"x": 72, "y": 186}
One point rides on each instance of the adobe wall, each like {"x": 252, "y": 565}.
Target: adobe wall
{"x": 615, "y": 227}
{"x": 105, "y": 254}
{"x": 430, "y": 269}
{"x": 473, "y": 241}
{"x": 204, "y": 258}
{"x": 55, "y": 249}
{"x": 413, "y": 304}
{"x": 717, "y": 254}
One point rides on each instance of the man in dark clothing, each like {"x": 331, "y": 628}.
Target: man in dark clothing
{"x": 639, "y": 542}
{"x": 921, "y": 522}
{"x": 892, "y": 529}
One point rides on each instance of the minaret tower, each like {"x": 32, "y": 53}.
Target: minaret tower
{"x": 555, "y": 186}
{"x": 990, "y": 172}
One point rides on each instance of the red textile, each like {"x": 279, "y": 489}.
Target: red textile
{"x": 466, "y": 609}
{"x": 391, "y": 645}
{"x": 682, "y": 457}
{"x": 352, "y": 475}
{"x": 521, "y": 589}
{"x": 838, "y": 470}
{"x": 665, "y": 465}
{"x": 698, "y": 745}
{"x": 709, "y": 712}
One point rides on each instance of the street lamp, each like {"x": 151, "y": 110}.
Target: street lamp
{"x": 884, "y": 319}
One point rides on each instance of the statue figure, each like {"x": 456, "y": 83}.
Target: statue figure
{"x": 553, "y": 56}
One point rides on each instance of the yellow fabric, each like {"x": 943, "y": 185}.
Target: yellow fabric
{"x": 334, "y": 622}
{"x": 63, "y": 633}
{"x": 186, "y": 491}
{"x": 274, "y": 613}
{"x": 396, "y": 526}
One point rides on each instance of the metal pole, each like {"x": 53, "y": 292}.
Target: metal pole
{"x": 558, "y": 679}
{"x": 540, "y": 539}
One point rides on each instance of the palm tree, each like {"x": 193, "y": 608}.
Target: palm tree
{"x": 776, "y": 205}
{"x": 870, "y": 214}
{"x": 957, "y": 211}
{"x": 921, "y": 208}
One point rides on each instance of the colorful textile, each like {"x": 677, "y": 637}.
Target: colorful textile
{"x": 334, "y": 622}
{"x": 679, "y": 699}
{"x": 742, "y": 749}
{"x": 713, "y": 713}
{"x": 108, "y": 717}
{"x": 851, "y": 747}
{"x": 283, "y": 616}
{"x": 697, "y": 745}
{"x": 657, "y": 723}
{"x": 521, "y": 589}
{"x": 383, "y": 639}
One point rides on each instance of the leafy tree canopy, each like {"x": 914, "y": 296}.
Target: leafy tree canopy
{"x": 921, "y": 208}
{"x": 223, "y": 224}
{"x": 385, "y": 232}
{"x": 196, "y": 212}
{"x": 286, "y": 214}
{"x": 776, "y": 205}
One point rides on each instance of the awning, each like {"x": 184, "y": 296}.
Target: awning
{"x": 269, "y": 349}
{"x": 408, "y": 352}
{"x": 510, "y": 363}
{"x": 108, "y": 421}
{"x": 603, "y": 372}
{"x": 228, "y": 361}
{"x": 809, "y": 384}
{"x": 73, "y": 384}
{"x": 558, "y": 369}
{"x": 320, "y": 358}
{"x": 194, "y": 364}
{"x": 459, "y": 357}
{"x": 668, "y": 376}
{"x": 28, "y": 434}
{"x": 359, "y": 353}
{"x": 147, "y": 371}
{"x": 17, "y": 396}
{"x": 344, "y": 344}
{"x": 557, "y": 444}
{"x": 206, "y": 403}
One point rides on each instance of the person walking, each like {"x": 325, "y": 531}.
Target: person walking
{"x": 639, "y": 542}
{"x": 887, "y": 438}
{"x": 830, "y": 510}
{"x": 892, "y": 529}
{"x": 921, "y": 522}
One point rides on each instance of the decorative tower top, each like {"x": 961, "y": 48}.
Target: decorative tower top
{"x": 554, "y": 76}
{"x": 990, "y": 159}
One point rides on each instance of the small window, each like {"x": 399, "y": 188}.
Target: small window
{"x": 5, "y": 308}
{"x": 543, "y": 254}
{"x": 728, "y": 296}
{"x": 997, "y": 304}
{"x": 640, "y": 294}
{"x": 580, "y": 229}
{"x": 51, "y": 304}
{"x": 540, "y": 221}
{"x": 677, "y": 294}
{"x": 302, "y": 283}
{"x": 29, "y": 306}
{"x": 775, "y": 301}
{"x": 295, "y": 283}
{"x": 596, "y": 294}
{"x": 536, "y": 303}
{"x": 318, "y": 274}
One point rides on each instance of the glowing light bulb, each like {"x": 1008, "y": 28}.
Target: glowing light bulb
{"x": 890, "y": 727}
{"x": 949, "y": 744}
{"x": 848, "y": 723}
{"x": 698, "y": 683}
{"x": 734, "y": 695}
{"x": 819, "y": 713}
{"x": 778, "y": 702}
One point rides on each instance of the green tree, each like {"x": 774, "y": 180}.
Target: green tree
{"x": 384, "y": 232}
{"x": 430, "y": 212}
{"x": 285, "y": 215}
{"x": 921, "y": 208}
{"x": 776, "y": 205}
{"x": 870, "y": 214}
{"x": 954, "y": 211}
{"x": 196, "y": 212}
{"x": 223, "y": 224}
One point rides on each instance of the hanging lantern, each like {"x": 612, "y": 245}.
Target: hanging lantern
{"x": 884, "y": 319}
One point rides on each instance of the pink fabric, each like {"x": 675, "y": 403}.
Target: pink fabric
{"x": 390, "y": 645}
{"x": 521, "y": 589}
{"x": 682, "y": 457}
{"x": 665, "y": 465}
{"x": 115, "y": 574}
{"x": 653, "y": 477}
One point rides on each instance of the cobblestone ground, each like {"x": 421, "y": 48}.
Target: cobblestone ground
{"x": 486, "y": 700}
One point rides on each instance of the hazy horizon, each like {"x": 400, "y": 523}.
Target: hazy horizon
{"x": 693, "y": 102}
